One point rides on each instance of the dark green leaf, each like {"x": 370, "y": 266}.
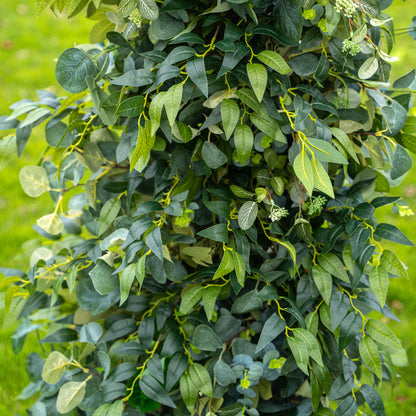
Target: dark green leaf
{"x": 272, "y": 328}
{"x": 152, "y": 389}
{"x": 392, "y": 233}
{"x": 205, "y": 339}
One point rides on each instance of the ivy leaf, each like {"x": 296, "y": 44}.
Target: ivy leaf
{"x": 323, "y": 281}
{"x": 257, "y": 75}
{"x": 34, "y": 180}
{"x": 275, "y": 61}
{"x": 370, "y": 355}
{"x": 230, "y": 114}
{"x": 311, "y": 343}
{"x": 302, "y": 166}
{"x": 345, "y": 141}
{"x": 247, "y": 214}
{"x": 70, "y": 396}
{"x": 131, "y": 107}
{"x": 196, "y": 71}
{"x": 148, "y": 9}
{"x": 379, "y": 283}
{"x": 243, "y": 141}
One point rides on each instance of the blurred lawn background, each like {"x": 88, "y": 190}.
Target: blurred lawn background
{"x": 28, "y": 49}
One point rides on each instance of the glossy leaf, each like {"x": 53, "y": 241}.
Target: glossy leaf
{"x": 257, "y": 75}
{"x": 247, "y": 215}
{"x": 243, "y": 141}
{"x": 370, "y": 355}
{"x": 275, "y": 61}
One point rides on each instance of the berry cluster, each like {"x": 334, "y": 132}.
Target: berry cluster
{"x": 316, "y": 205}
{"x": 136, "y": 18}
{"x": 277, "y": 213}
{"x": 346, "y": 6}
{"x": 185, "y": 219}
{"x": 351, "y": 47}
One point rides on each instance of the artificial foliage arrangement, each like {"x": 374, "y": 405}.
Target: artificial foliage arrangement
{"x": 215, "y": 167}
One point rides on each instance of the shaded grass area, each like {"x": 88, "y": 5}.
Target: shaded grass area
{"x": 28, "y": 48}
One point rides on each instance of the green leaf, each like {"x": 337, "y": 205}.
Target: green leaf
{"x": 257, "y": 75}
{"x": 205, "y": 339}
{"x": 190, "y": 299}
{"x": 380, "y": 333}
{"x": 243, "y": 141}
{"x": 247, "y": 214}
{"x": 134, "y": 78}
{"x": 131, "y": 107}
{"x": 370, "y": 355}
{"x": 272, "y": 328}
{"x": 153, "y": 390}
{"x": 108, "y": 214}
{"x": 349, "y": 329}
{"x": 51, "y": 223}
{"x": 34, "y": 180}
{"x": 176, "y": 368}
{"x": 213, "y": 156}
{"x": 302, "y": 166}
{"x": 392, "y": 233}
{"x": 311, "y": 343}
{"x": 379, "y": 283}
{"x": 217, "y": 232}
{"x": 288, "y": 21}
{"x": 368, "y": 68}
{"x": 154, "y": 242}
{"x": 230, "y": 114}
{"x": 322, "y": 180}
{"x": 393, "y": 265}
{"x": 116, "y": 409}
{"x": 172, "y": 102}
{"x": 240, "y": 268}
{"x": 144, "y": 145}
{"x": 402, "y": 162}
{"x": 240, "y": 192}
{"x": 196, "y": 71}
{"x": 201, "y": 379}
{"x": 325, "y": 152}
{"x": 323, "y": 281}
{"x": 70, "y": 396}
{"x": 54, "y": 367}
{"x": 103, "y": 279}
{"x": 102, "y": 410}
{"x": 224, "y": 374}
{"x": 300, "y": 353}
{"x": 72, "y": 68}
{"x": 148, "y": 9}
{"x": 333, "y": 265}
{"x": 189, "y": 392}
{"x": 247, "y": 302}
{"x": 126, "y": 281}
{"x": 166, "y": 27}
{"x": 7, "y": 149}
{"x": 155, "y": 111}
{"x": 209, "y": 297}
{"x": 345, "y": 141}
{"x": 226, "y": 266}
{"x": 275, "y": 61}
{"x": 373, "y": 399}
{"x": 348, "y": 407}
{"x": 268, "y": 126}
{"x": 140, "y": 270}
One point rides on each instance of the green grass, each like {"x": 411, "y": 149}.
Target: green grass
{"x": 28, "y": 48}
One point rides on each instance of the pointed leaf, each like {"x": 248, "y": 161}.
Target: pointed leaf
{"x": 275, "y": 61}
{"x": 153, "y": 390}
{"x": 205, "y": 338}
{"x": 272, "y": 328}
{"x": 230, "y": 114}
{"x": 323, "y": 281}
{"x": 148, "y": 9}
{"x": 226, "y": 266}
{"x": 196, "y": 71}
{"x": 322, "y": 180}
{"x": 108, "y": 214}
{"x": 243, "y": 141}
{"x": 302, "y": 166}
{"x": 379, "y": 283}
{"x": 70, "y": 396}
{"x": 154, "y": 242}
{"x": 247, "y": 214}
{"x": 201, "y": 379}
{"x": 172, "y": 102}
{"x": 370, "y": 355}
{"x": 257, "y": 75}
{"x": 54, "y": 367}
{"x": 240, "y": 268}
{"x": 190, "y": 299}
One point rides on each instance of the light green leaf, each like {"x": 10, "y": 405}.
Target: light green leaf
{"x": 116, "y": 409}
{"x": 141, "y": 270}
{"x": 323, "y": 281}
{"x": 380, "y": 333}
{"x": 226, "y": 266}
{"x": 275, "y": 61}
{"x": 240, "y": 192}
{"x": 247, "y": 214}
{"x": 108, "y": 214}
{"x": 201, "y": 379}
{"x": 209, "y": 297}
{"x": 333, "y": 265}
{"x": 392, "y": 264}
{"x": 379, "y": 283}
{"x": 312, "y": 344}
{"x": 145, "y": 142}
{"x": 190, "y": 299}
{"x": 131, "y": 107}
{"x": 240, "y": 268}
{"x": 321, "y": 179}
{"x": 370, "y": 355}
{"x": 257, "y": 75}
{"x": 51, "y": 223}
{"x": 230, "y": 114}
{"x": 34, "y": 180}
{"x": 189, "y": 391}
{"x": 102, "y": 410}
{"x": 172, "y": 102}
{"x": 148, "y": 9}
{"x": 103, "y": 279}
{"x": 300, "y": 353}
{"x": 155, "y": 111}
{"x": 243, "y": 141}
{"x": 126, "y": 281}
{"x": 325, "y": 152}
{"x": 368, "y": 68}
{"x": 54, "y": 367}
{"x": 7, "y": 149}
{"x": 70, "y": 396}
{"x": 302, "y": 166}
